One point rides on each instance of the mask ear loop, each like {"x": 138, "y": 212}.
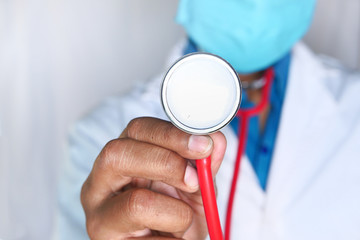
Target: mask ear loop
{"x": 244, "y": 115}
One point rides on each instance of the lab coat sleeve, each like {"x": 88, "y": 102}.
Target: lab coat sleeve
{"x": 86, "y": 140}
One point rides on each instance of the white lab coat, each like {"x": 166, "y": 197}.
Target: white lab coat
{"x": 313, "y": 190}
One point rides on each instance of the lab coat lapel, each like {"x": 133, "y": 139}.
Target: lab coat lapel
{"x": 300, "y": 150}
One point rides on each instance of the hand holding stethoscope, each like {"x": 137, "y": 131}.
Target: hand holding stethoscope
{"x": 201, "y": 94}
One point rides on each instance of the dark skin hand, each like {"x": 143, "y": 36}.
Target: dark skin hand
{"x": 142, "y": 185}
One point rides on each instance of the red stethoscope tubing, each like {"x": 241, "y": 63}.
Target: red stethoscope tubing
{"x": 208, "y": 195}
{"x": 244, "y": 115}
{"x": 204, "y": 169}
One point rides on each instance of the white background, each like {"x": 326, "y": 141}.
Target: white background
{"x": 59, "y": 58}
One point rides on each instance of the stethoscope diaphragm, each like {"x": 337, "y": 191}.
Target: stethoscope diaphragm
{"x": 201, "y": 93}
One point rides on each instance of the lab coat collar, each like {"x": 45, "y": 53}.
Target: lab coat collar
{"x": 299, "y": 155}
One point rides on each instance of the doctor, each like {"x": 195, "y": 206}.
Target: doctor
{"x": 299, "y": 178}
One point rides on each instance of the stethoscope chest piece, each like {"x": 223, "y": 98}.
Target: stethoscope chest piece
{"x": 201, "y": 93}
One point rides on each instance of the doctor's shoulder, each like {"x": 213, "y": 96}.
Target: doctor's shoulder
{"x": 336, "y": 85}
{"x": 107, "y": 120}
{"x": 339, "y": 77}
{"x": 343, "y": 85}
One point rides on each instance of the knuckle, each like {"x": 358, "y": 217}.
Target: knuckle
{"x": 111, "y": 154}
{"x": 83, "y": 194}
{"x": 139, "y": 202}
{"x": 133, "y": 127}
{"x": 87, "y": 199}
{"x": 186, "y": 216}
{"x": 107, "y": 153}
{"x": 92, "y": 228}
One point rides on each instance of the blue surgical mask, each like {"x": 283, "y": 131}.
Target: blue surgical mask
{"x": 250, "y": 34}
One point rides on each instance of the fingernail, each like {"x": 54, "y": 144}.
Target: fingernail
{"x": 190, "y": 178}
{"x": 200, "y": 144}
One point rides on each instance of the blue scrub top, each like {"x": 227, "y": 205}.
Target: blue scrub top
{"x": 260, "y": 144}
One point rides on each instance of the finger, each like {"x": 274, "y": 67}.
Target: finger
{"x": 124, "y": 159}
{"x": 139, "y": 209}
{"x": 166, "y": 135}
{"x": 217, "y": 155}
{"x": 218, "y": 152}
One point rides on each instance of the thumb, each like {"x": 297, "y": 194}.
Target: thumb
{"x": 217, "y": 155}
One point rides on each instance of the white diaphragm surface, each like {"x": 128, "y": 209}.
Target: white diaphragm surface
{"x": 201, "y": 93}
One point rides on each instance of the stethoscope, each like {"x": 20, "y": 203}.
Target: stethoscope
{"x": 201, "y": 93}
